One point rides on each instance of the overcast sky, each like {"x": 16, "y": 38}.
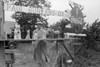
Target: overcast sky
{"x": 91, "y": 9}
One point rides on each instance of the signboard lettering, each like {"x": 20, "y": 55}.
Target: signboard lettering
{"x": 11, "y": 7}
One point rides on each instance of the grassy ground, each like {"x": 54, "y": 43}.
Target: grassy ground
{"x": 24, "y": 55}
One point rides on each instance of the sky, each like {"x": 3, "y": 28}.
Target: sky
{"x": 91, "y": 10}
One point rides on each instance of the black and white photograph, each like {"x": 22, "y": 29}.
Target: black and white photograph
{"x": 49, "y": 33}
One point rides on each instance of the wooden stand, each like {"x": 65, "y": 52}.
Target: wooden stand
{"x": 2, "y": 54}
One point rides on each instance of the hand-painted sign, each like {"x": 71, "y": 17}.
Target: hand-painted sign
{"x": 76, "y": 15}
{"x": 77, "y": 18}
{"x": 11, "y": 7}
{"x": 76, "y": 4}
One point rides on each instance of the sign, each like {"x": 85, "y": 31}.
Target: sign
{"x": 11, "y": 7}
{"x": 76, "y": 13}
{"x": 76, "y": 4}
{"x": 77, "y": 18}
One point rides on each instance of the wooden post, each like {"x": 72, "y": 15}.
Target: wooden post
{"x": 1, "y": 19}
{"x": 2, "y": 51}
{"x": 2, "y": 55}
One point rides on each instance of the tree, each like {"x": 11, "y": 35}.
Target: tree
{"x": 61, "y": 26}
{"x": 27, "y": 21}
{"x": 93, "y": 35}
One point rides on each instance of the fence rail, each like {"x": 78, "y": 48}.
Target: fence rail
{"x": 38, "y": 39}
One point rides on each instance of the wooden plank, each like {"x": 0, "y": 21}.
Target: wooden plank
{"x": 2, "y": 55}
{"x": 37, "y": 39}
{"x": 9, "y": 50}
{"x": 77, "y": 43}
{"x": 74, "y": 34}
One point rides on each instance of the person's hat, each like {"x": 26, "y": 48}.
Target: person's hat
{"x": 39, "y": 23}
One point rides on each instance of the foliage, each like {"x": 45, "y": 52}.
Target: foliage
{"x": 33, "y": 3}
{"x": 60, "y": 26}
{"x": 90, "y": 50}
{"x": 93, "y": 31}
{"x": 27, "y": 21}
{"x": 93, "y": 35}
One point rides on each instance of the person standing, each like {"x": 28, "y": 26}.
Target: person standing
{"x": 40, "y": 51}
